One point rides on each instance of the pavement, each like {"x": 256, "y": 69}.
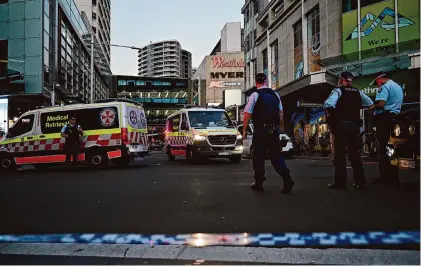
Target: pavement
{"x": 157, "y": 196}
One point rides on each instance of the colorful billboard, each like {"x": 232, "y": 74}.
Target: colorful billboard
{"x": 378, "y": 27}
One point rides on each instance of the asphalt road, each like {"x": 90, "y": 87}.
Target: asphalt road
{"x": 160, "y": 196}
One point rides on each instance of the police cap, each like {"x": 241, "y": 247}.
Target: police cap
{"x": 378, "y": 75}
{"x": 261, "y": 78}
{"x": 346, "y": 75}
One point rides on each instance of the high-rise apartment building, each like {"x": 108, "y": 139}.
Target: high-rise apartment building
{"x": 164, "y": 59}
{"x": 98, "y": 13}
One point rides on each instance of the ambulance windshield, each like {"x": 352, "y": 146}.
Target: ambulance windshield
{"x": 205, "y": 119}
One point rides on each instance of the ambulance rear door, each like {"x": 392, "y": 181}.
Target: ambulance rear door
{"x": 137, "y": 128}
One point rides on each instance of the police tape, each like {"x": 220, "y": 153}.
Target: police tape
{"x": 244, "y": 239}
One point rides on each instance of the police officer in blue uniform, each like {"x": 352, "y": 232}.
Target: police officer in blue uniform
{"x": 264, "y": 107}
{"x": 343, "y": 106}
{"x": 389, "y": 100}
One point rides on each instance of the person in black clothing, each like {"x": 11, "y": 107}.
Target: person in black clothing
{"x": 71, "y": 132}
{"x": 343, "y": 106}
{"x": 265, "y": 109}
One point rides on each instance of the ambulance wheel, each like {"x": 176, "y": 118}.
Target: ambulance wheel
{"x": 235, "y": 159}
{"x": 170, "y": 156}
{"x": 191, "y": 156}
{"x": 97, "y": 158}
{"x": 7, "y": 164}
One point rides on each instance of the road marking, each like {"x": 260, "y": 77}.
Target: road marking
{"x": 227, "y": 254}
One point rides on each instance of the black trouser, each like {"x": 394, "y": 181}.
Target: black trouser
{"x": 387, "y": 171}
{"x": 267, "y": 139}
{"x": 72, "y": 150}
{"x": 347, "y": 140}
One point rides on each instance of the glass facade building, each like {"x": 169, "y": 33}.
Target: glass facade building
{"x": 44, "y": 43}
{"x": 159, "y": 96}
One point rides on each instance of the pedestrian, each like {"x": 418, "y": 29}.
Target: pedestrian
{"x": 71, "y": 133}
{"x": 389, "y": 98}
{"x": 264, "y": 107}
{"x": 345, "y": 103}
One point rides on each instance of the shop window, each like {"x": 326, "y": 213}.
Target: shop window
{"x": 22, "y": 126}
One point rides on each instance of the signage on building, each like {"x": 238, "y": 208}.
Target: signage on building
{"x": 378, "y": 27}
{"x": 223, "y": 84}
{"x": 309, "y": 104}
{"x": 220, "y": 62}
{"x": 223, "y": 75}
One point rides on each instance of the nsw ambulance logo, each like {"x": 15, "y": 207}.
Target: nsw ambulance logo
{"x": 107, "y": 117}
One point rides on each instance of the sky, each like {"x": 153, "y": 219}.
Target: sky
{"x": 196, "y": 24}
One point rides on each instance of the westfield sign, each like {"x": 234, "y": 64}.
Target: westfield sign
{"x": 220, "y": 62}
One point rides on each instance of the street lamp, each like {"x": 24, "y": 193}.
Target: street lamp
{"x": 53, "y": 92}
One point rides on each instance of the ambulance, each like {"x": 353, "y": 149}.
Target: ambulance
{"x": 113, "y": 130}
{"x": 202, "y": 132}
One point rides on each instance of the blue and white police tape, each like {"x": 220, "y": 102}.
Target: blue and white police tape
{"x": 244, "y": 239}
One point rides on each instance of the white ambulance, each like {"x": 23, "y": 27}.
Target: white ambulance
{"x": 113, "y": 130}
{"x": 202, "y": 132}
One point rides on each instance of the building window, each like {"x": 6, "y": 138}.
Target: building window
{"x": 265, "y": 60}
{"x": 94, "y": 15}
{"x": 4, "y": 1}
{"x": 313, "y": 28}
{"x": 256, "y": 8}
{"x": 298, "y": 37}
{"x": 275, "y": 66}
{"x": 94, "y": 2}
{"x": 94, "y": 29}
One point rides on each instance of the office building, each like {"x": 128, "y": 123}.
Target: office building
{"x": 164, "y": 59}
{"x": 98, "y": 13}
{"x": 42, "y": 45}
{"x": 304, "y": 45}
{"x": 159, "y": 96}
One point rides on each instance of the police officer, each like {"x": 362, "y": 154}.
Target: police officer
{"x": 264, "y": 107}
{"x": 71, "y": 133}
{"x": 389, "y": 100}
{"x": 344, "y": 103}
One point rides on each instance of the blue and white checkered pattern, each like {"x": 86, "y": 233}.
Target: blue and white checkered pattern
{"x": 287, "y": 239}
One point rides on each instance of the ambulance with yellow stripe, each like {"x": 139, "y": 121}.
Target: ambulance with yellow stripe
{"x": 202, "y": 132}
{"x": 113, "y": 130}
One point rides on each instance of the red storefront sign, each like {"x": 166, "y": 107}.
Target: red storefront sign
{"x": 220, "y": 62}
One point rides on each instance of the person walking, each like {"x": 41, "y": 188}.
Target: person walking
{"x": 345, "y": 103}
{"x": 389, "y": 98}
{"x": 265, "y": 109}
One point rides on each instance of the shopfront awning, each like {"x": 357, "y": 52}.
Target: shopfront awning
{"x": 316, "y": 79}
